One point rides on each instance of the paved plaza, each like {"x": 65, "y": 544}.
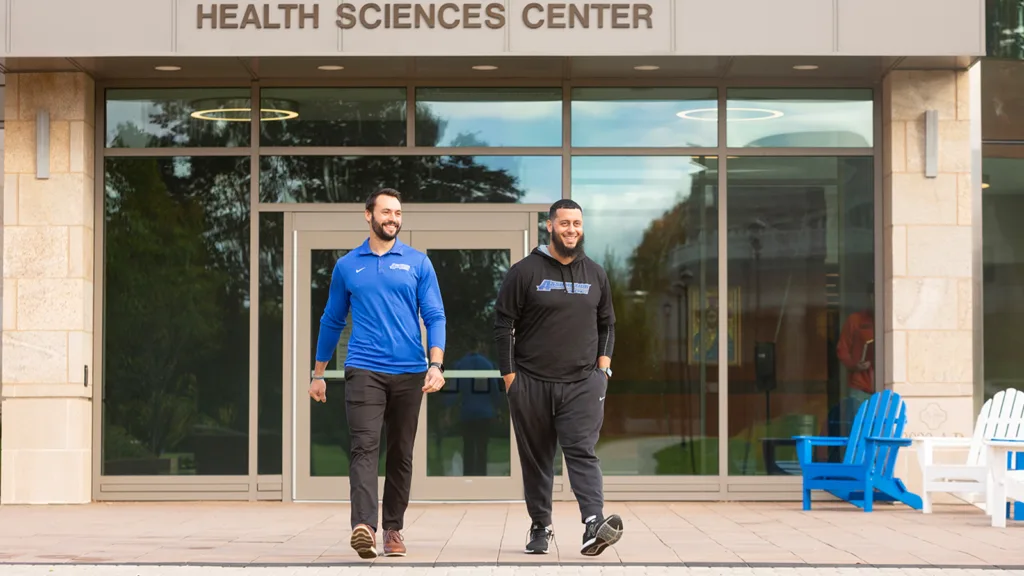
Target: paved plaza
{"x": 80, "y": 570}
{"x": 704, "y": 538}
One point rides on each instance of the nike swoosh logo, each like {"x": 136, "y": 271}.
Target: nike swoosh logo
{"x": 601, "y": 399}
{"x": 361, "y": 269}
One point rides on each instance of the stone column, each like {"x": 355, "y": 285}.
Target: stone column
{"x": 928, "y": 251}
{"x": 48, "y": 292}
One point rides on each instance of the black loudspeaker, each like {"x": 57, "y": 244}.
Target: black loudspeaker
{"x": 764, "y": 366}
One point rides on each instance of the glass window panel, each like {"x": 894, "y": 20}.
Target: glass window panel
{"x": 1005, "y": 38}
{"x": 271, "y": 342}
{"x": 1003, "y": 257}
{"x": 333, "y": 117}
{"x": 468, "y": 426}
{"x": 800, "y": 118}
{"x": 646, "y": 117}
{"x": 176, "y": 316}
{"x": 449, "y": 179}
{"x": 177, "y": 117}
{"x": 489, "y": 117}
{"x": 1002, "y": 92}
{"x": 652, "y": 223}
{"x": 801, "y": 290}
{"x": 543, "y": 236}
{"x": 330, "y": 440}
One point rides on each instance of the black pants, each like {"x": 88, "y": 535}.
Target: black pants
{"x": 372, "y": 398}
{"x": 572, "y": 415}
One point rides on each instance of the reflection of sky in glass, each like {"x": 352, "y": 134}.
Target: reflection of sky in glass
{"x": 822, "y": 118}
{"x": 540, "y": 177}
{"x": 641, "y": 117}
{"x": 622, "y": 195}
{"x": 495, "y": 117}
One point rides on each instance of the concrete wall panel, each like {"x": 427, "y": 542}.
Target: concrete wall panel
{"x": 754, "y": 27}
{"x": 91, "y": 28}
{"x": 911, "y": 27}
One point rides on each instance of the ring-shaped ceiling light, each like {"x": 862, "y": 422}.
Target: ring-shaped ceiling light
{"x": 765, "y": 114}
{"x": 276, "y": 114}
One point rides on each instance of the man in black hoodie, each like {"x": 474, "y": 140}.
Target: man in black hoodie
{"x": 555, "y": 333}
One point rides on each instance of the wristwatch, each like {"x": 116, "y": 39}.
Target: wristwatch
{"x": 607, "y": 372}
{"x": 437, "y": 365}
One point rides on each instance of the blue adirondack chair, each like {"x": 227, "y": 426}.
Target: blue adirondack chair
{"x": 866, "y": 473}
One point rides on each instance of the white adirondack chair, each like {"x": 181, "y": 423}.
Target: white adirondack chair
{"x": 1006, "y": 484}
{"x": 1002, "y": 417}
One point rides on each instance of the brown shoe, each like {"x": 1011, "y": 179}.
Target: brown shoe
{"x": 393, "y": 545}
{"x": 364, "y": 542}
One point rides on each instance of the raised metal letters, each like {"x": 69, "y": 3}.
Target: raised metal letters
{"x": 409, "y": 15}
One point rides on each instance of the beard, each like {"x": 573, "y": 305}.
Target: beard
{"x": 565, "y": 250}
{"x": 378, "y": 229}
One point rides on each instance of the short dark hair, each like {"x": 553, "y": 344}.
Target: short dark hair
{"x": 563, "y": 204}
{"x": 371, "y": 202}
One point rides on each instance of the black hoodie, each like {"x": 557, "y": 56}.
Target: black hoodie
{"x": 554, "y": 320}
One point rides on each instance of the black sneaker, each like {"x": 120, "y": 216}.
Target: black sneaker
{"x": 600, "y": 534}
{"x": 538, "y": 538}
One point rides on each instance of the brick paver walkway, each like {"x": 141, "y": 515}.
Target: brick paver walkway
{"x": 492, "y": 535}
{"x": 79, "y": 570}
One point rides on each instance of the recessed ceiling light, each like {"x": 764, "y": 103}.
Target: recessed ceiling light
{"x": 168, "y": 68}
{"x": 805, "y": 67}
{"x": 484, "y": 67}
{"x": 330, "y": 67}
{"x": 646, "y": 67}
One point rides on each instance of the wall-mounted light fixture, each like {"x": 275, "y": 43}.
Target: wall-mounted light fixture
{"x": 931, "y": 143}
{"x": 43, "y": 144}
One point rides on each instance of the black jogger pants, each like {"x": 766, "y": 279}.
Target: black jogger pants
{"x": 373, "y": 399}
{"x": 571, "y": 414}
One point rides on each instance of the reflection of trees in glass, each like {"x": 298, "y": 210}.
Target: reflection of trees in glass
{"x": 176, "y": 309}
{"x": 652, "y": 384}
{"x": 1005, "y": 28}
{"x": 469, "y": 281}
{"x": 649, "y": 277}
{"x": 170, "y": 123}
{"x": 271, "y": 341}
{"x": 176, "y": 312}
{"x": 348, "y": 179}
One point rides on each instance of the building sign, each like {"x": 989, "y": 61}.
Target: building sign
{"x": 408, "y": 15}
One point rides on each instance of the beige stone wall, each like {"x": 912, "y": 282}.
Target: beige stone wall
{"x": 48, "y": 292}
{"x": 928, "y": 252}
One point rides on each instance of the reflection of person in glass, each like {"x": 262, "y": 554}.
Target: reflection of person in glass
{"x": 856, "y": 349}
{"x": 555, "y": 332}
{"x": 387, "y": 285}
{"x": 476, "y": 398}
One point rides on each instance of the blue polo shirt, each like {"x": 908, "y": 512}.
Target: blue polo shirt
{"x": 387, "y": 295}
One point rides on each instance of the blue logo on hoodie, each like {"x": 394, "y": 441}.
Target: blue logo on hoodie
{"x": 551, "y": 285}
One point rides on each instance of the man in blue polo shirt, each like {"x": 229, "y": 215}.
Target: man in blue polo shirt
{"x": 387, "y": 286}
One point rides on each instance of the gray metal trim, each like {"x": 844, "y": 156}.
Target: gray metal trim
{"x": 879, "y": 240}
{"x": 254, "y": 297}
{"x": 931, "y": 143}
{"x": 42, "y": 144}
{"x": 723, "y": 291}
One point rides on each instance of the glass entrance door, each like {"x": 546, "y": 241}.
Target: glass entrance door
{"x": 465, "y": 449}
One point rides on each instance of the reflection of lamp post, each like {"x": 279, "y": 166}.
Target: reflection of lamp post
{"x": 681, "y": 288}
{"x": 764, "y": 352}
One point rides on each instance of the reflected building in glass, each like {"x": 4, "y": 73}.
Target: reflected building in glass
{"x": 781, "y": 239}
